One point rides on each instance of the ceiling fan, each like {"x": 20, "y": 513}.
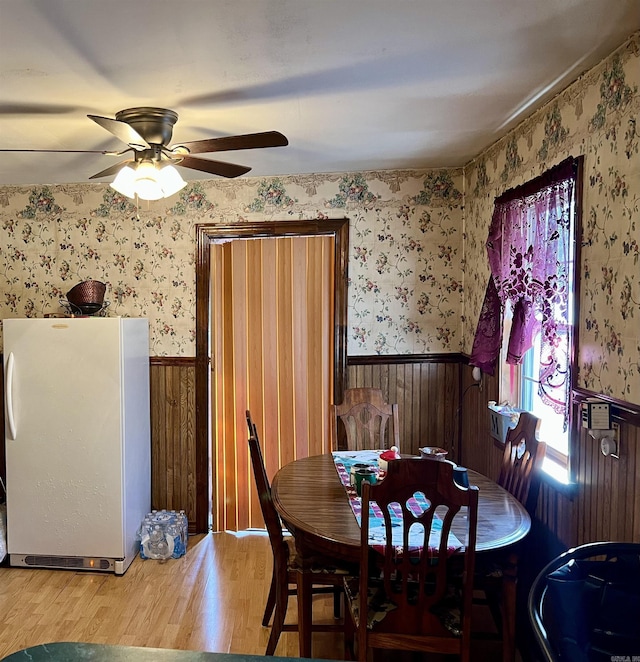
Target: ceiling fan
{"x": 149, "y": 172}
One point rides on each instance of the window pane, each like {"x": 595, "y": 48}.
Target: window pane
{"x": 552, "y": 424}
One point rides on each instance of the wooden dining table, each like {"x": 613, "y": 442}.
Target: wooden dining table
{"x": 314, "y": 505}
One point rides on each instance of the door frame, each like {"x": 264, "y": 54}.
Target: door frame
{"x": 205, "y": 233}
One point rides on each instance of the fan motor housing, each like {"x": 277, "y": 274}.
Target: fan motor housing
{"x": 155, "y": 125}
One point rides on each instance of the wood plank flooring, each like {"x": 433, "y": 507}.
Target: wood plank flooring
{"x": 212, "y": 599}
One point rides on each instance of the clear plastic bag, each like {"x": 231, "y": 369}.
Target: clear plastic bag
{"x": 163, "y": 534}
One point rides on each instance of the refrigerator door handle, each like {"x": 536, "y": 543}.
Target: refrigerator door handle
{"x": 8, "y": 387}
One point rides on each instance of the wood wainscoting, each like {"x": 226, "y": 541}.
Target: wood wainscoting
{"x": 439, "y": 404}
{"x": 604, "y": 501}
{"x": 426, "y": 389}
{"x": 173, "y": 448}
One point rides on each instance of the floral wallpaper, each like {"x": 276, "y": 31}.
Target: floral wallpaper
{"x": 598, "y": 116}
{"x": 417, "y": 261}
{"x": 405, "y": 278}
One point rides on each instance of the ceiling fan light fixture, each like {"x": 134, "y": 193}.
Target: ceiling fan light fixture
{"x": 170, "y": 180}
{"x": 125, "y": 182}
{"x": 148, "y": 181}
{"x": 146, "y": 184}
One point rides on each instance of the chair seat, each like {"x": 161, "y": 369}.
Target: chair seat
{"x": 378, "y": 605}
{"x": 317, "y": 564}
{"x": 448, "y": 610}
{"x": 584, "y": 604}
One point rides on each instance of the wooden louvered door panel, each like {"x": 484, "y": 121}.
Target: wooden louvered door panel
{"x": 272, "y": 347}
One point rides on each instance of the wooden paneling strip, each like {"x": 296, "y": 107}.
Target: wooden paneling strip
{"x": 173, "y": 463}
{"x": 235, "y": 440}
{"x": 316, "y": 363}
{"x": 217, "y": 396}
{"x": 225, "y": 420}
{"x": 632, "y": 439}
{"x": 269, "y": 392}
{"x": 256, "y": 344}
{"x": 285, "y": 351}
{"x": 300, "y": 328}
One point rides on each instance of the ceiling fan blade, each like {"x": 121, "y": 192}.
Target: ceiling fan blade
{"x": 111, "y": 170}
{"x": 213, "y": 167}
{"x": 63, "y": 151}
{"x": 122, "y": 130}
{"x": 37, "y": 109}
{"x": 246, "y": 141}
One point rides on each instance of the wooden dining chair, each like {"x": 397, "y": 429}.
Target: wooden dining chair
{"x": 585, "y": 603}
{"x": 327, "y": 576}
{"x": 522, "y": 460}
{"x": 365, "y": 419}
{"x": 496, "y": 577}
{"x": 416, "y": 597}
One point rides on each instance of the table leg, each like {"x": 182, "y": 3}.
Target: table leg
{"x": 509, "y": 583}
{"x": 304, "y": 612}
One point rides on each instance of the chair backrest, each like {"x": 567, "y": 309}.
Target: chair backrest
{"x": 253, "y": 431}
{"x": 269, "y": 513}
{"x": 418, "y": 580}
{"x": 521, "y": 462}
{"x": 365, "y": 417}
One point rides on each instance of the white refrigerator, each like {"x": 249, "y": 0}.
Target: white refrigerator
{"x": 77, "y": 440}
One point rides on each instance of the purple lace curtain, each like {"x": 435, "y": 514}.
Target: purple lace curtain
{"x": 530, "y": 258}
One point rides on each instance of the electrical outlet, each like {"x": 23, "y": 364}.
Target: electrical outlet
{"x": 610, "y": 444}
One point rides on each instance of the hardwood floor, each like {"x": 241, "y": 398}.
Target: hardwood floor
{"x": 212, "y": 599}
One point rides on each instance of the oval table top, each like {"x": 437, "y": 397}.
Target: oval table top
{"x": 312, "y": 501}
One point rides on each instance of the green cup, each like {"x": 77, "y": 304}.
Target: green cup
{"x": 364, "y": 476}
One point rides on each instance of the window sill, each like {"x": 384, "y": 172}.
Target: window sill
{"x": 558, "y": 478}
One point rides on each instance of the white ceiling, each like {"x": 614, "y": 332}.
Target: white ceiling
{"x": 354, "y": 84}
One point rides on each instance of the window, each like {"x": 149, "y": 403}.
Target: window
{"x": 527, "y": 320}
{"x": 552, "y": 426}
{"x": 518, "y": 386}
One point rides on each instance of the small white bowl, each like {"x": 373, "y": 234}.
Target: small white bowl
{"x": 433, "y": 452}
